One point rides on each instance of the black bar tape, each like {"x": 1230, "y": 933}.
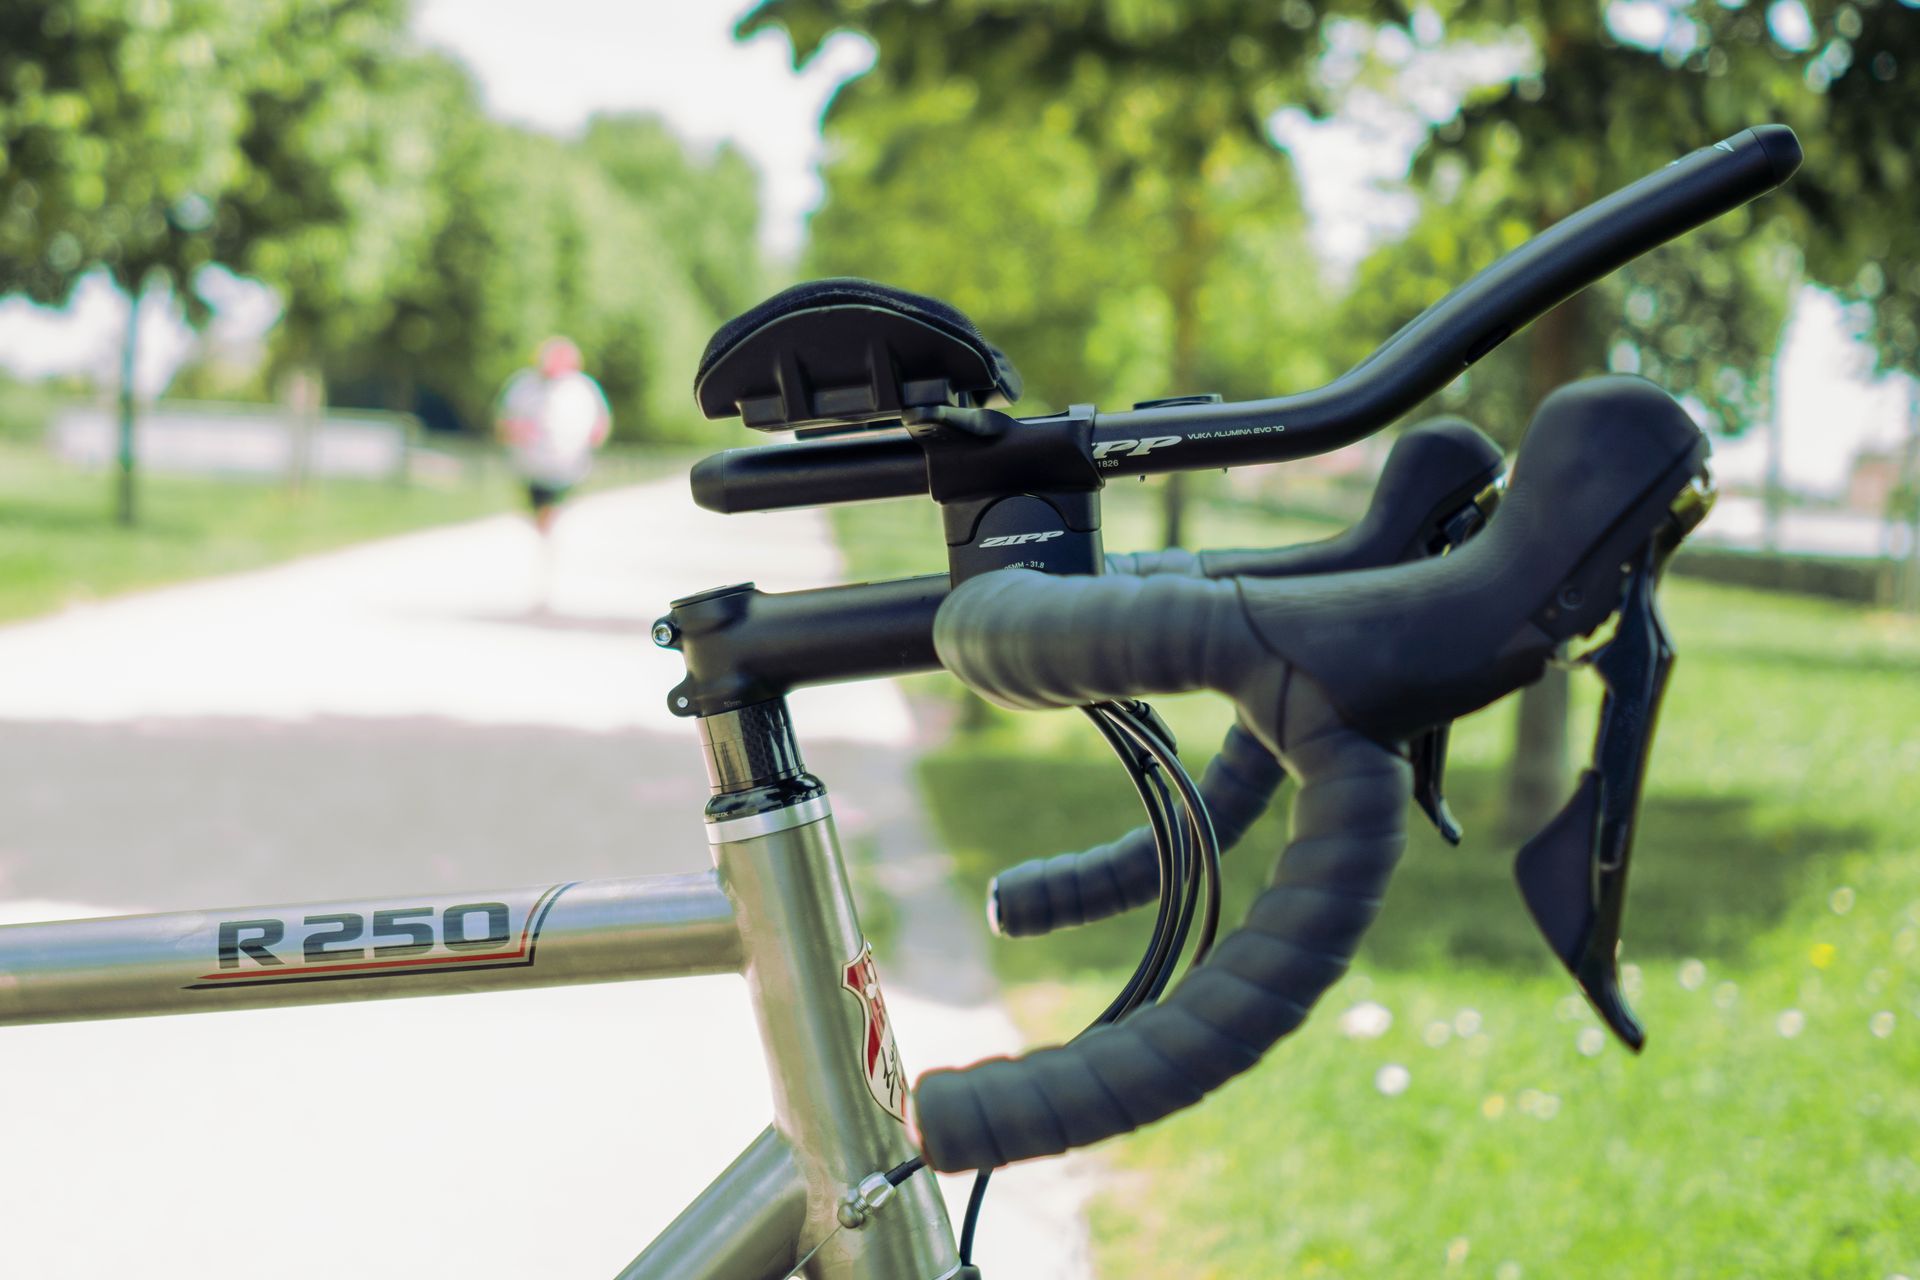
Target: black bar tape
{"x": 1434, "y": 469}
{"x": 1259, "y": 984}
{"x": 1044, "y": 894}
{"x": 1025, "y": 640}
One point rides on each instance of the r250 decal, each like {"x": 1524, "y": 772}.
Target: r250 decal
{"x": 385, "y": 942}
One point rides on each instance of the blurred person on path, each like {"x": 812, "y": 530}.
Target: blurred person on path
{"x": 552, "y": 417}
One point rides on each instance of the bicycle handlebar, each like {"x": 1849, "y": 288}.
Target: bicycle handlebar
{"x": 1430, "y": 478}
{"x": 1426, "y": 354}
{"x": 1334, "y": 674}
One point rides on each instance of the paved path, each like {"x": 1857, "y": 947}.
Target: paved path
{"x": 400, "y": 717}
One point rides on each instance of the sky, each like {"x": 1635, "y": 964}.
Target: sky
{"x": 551, "y": 64}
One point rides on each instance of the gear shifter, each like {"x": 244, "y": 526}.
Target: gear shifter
{"x": 1573, "y": 874}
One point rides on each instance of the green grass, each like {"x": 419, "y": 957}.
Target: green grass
{"x": 59, "y": 544}
{"x": 1776, "y": 888}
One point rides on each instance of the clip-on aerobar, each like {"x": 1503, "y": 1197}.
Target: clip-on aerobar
{"x": 1334, "y": 674}
{"x": 1425, "y": 501}
{"x": 1426, "y": 354}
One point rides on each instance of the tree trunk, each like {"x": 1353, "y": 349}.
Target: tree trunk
{"x": 124, "y": 509}
{"x": 1541, "y": 772}
{"x": 1173, "y": 510}
{"x": 1183, "y": 297}
{"x": 1904, "y": 507}
{"x": 306, "y": 393}
{"x": 1773, "y": 495}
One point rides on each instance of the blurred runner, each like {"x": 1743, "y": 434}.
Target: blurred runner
{"x": 552, "y": 417}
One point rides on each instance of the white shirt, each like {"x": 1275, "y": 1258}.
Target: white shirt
{"x": 563, "y": 413}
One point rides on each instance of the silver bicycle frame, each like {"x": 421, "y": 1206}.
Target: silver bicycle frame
{"x": 775, "y": 909}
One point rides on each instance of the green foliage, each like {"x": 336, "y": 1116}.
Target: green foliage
{"x": 155, "y": 138}
{"x": 1860, "y": 189}
{"x": 1592, "y": 112}
{"x": 708, "y": 211}
{"x": 537, "y": 238}
{"x": 335, "y": 200}
{"x": 420, "y": 252}
{"x": 119, "y": 135}
{"x": 1092, "y": 183}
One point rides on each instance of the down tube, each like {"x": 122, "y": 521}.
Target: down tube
{"x": 331, "y": 952}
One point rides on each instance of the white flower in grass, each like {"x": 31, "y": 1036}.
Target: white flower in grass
{"x": 1790, "y": 1024}
{"x": 1881, "y": 1023}
{"x": 1590, "y": 1041}
{"x": 1367, "y": 1020}
{"x": 1392, "y": 1079}
{"x": 1693, "y": 974}
{"x": 1466, "y": 1023}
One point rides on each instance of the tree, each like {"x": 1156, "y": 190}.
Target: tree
{"x": 1594, "y": 109}
{"x": 708, "y": 210}
{"x": 1092, "y": 182}
{"x": 118, "y": 138}
{"x": 154, "y": 139}
{"x": 335, "y": 203}
{"x": 582, "y": 250}
{"x": 1860, "y": 197}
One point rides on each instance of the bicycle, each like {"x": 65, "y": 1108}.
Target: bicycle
{"x": 1346, "y": 659}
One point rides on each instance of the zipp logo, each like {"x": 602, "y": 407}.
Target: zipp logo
{"x": 1018, "y": 539}
{"x": 1133, "y": 448}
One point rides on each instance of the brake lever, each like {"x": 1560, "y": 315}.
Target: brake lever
{"x": 1428, "y": 755}
{"x": 1573, "y": 873}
